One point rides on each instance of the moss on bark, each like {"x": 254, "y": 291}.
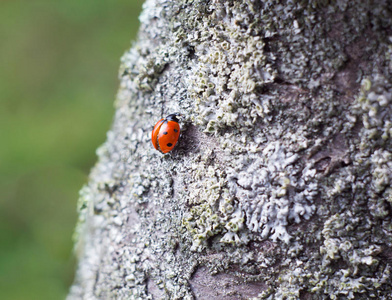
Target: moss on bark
{"x": 280, "y": 185}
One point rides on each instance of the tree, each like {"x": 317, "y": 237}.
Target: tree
{"x": 279, "y": 187}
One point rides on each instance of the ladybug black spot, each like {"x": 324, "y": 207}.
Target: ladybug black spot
{"x": 165, "y": 132}
{"x": 169, "y": 144}
{"x": 175, "y": 130}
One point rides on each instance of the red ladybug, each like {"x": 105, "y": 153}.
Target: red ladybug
{"x": 166, "y": 133}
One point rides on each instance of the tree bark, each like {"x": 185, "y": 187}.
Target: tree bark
{"x": 279, "y": 187}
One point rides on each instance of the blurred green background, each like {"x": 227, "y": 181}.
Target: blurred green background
{"x": 58, "y": 79}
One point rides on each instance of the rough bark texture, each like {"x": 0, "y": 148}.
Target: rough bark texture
{"x": 280, "y": 185}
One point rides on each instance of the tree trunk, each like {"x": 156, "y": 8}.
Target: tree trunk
{"x": 279, "y": 187}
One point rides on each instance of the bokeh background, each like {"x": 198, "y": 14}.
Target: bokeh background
{"x": 59, "y": 62}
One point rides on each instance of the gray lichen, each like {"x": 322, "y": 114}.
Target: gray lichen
{"x": 280, "y": 185}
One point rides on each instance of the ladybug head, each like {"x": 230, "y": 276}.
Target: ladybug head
{"x": 173, "y": 117}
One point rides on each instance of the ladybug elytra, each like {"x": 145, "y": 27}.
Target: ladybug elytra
{"x": 166, "y": 133}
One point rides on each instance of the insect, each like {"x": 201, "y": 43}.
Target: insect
{"x": 166, "y": 133}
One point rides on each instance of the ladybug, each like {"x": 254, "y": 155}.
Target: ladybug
{"x": 166, "y": 133}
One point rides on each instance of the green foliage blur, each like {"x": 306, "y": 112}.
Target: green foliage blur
{"x": 59, "y": 62}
